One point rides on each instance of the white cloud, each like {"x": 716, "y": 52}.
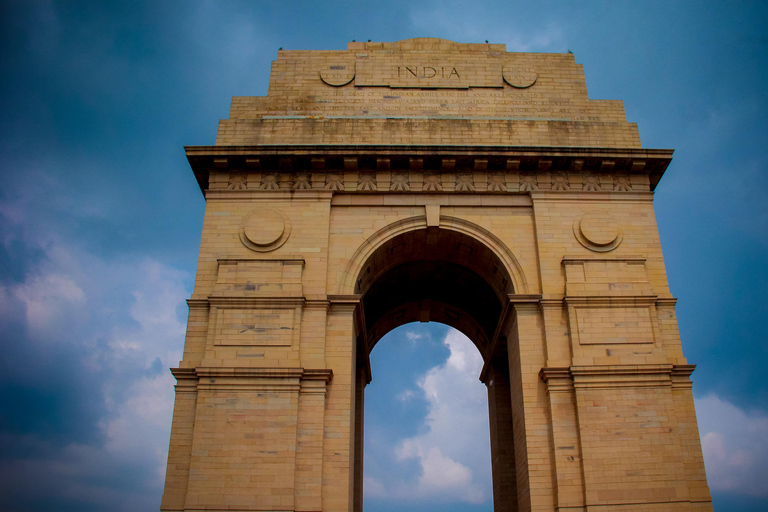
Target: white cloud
{"x": 374, "y": 488}
{"x": 472, "y": 23}
{"x": 140, "y": 408}
{"x": 156, "y": 331}
{"x": 120, "y": 320}
{"x": 406, "y": 395}
{"x": 441, "y": 476}
{"x": 413, "y": 336}
{"x": 44, "y": 295}
{"x": 453, "y": 453}
{"x": 140, "y": 426}
{"x": 735, "y": 446}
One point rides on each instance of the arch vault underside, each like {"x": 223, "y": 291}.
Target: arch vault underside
{"x": 353, "y": 200}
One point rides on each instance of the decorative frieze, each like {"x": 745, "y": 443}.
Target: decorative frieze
{"x": 237, "y": 181}
{"x": 560, "y": 181}
{"x": 591, "y": 183}
{"x": 496, "y": 182}
{"x": 621, "y": 183}
{"x": 366, "y": 182}
{"x": 301, "y": 181}
{"x": 465, "y": 182}
{"x": 528, "y": 182}
{"x": 426, "y": 172}
{"x": 431, "y": 173}
{"x": 400, "y": 183}
{"x": 430, "y": 181}
{"x": 334, "y": 181}
{"x": 269, "y": 181}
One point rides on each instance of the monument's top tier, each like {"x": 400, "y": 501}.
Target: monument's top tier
{"x": 427, "y": 91}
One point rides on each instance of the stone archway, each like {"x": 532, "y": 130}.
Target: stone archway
{"x": 365, "y": 190}
{"x": 445, "y": 276}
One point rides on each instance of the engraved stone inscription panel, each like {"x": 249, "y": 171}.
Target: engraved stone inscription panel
{"x": 429, "y": 70}
{"x": 255, "y": 327}
{"x": 259, "y": 278}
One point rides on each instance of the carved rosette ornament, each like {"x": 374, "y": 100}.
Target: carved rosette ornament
{"x": 400, "y": 183}
{"x": 560, "y": 181}
{"x": 237, "y": 181}
{"x": 464, "y": 182}
{"x": 591, "y": 183}
{"x": 496, "y": 182}
{"x": 528, "y": 182}
{"x": 622, "y": 184}
{"x": 334, "y": 181}
{"x": 432, "y": 183}
{"x": 269, "y": 181}
{"x": 265, "y": 230}
{"x": 366, "y": 182}
{"x": 301, "y": 182}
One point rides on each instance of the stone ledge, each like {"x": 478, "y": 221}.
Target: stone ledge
{"x": 312, "y": 380}
{"x": 617, "y": 376}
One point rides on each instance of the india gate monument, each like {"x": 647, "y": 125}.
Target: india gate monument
{"x": 430, "y": 181}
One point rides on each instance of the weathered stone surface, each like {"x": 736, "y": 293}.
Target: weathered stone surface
{"x": 426, "y": 180}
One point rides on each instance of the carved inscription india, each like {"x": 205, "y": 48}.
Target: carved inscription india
{"x": 430, "y": 72}
{"x": 421, "y": 72}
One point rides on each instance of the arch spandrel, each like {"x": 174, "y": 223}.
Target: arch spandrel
{"x": 347, "y": 280}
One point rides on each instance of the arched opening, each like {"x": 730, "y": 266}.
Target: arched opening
{"x": 426, "y": 424}
{"x": 444, "y": 276}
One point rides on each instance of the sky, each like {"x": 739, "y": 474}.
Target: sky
{"x": 100, "y": 221}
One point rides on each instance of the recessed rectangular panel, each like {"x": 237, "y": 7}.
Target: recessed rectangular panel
{"x": 612, "y": 325}
{"x": 428, "y": 70}
{"x": 255, "y": 327}
{"x": 255, "y": 278}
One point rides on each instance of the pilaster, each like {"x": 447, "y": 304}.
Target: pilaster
{"x": 180, "y": 450}
{"x": 566, "y": 444}
{"x": 339, "y": 443}
{"x": 530, "y": 411}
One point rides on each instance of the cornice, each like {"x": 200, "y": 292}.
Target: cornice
{"x": 423, "y": 149}
{"x": 304, "y": 380}
{"x": 565, "y": 378}
{"x": 611, "y": 300}
{"x": 240, "y": 302}
{"x": 287, "y": 158}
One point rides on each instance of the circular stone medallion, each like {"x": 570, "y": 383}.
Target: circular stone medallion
{"x": 338, "y": 73}
{"x": 598, "y": 231}
{"x": 265, "y": 230}
{"x": 520, "y": 77}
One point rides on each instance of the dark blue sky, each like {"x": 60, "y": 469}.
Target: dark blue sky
{"x": 100, "y": 217}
